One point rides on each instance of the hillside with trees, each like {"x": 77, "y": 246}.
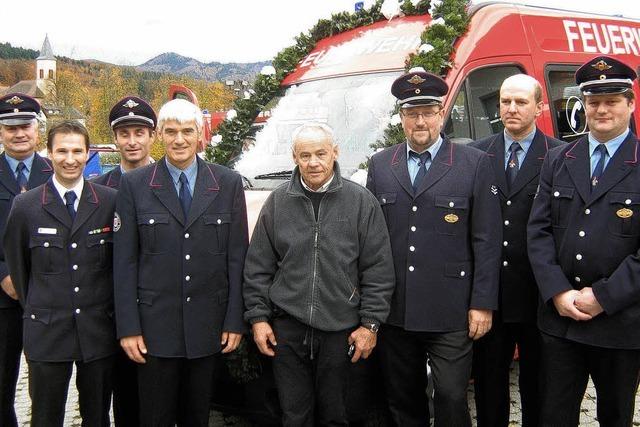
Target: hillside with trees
{"x": 92, "y": 87}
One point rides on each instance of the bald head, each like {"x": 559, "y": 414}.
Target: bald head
{"x": 523, "y": 82}
{"x": 520, "y": 105}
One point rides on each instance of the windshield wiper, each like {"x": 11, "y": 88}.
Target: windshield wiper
{"x": 275, "y": 175}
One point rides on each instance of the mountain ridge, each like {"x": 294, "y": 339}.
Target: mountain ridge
{"x": 174, "y": 63}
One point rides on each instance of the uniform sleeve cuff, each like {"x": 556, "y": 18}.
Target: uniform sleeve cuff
{"x": 259, "y": 319}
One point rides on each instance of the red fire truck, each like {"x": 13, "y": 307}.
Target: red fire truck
{"x": 345, "y": 82}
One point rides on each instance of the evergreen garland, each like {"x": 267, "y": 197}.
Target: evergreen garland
{"x": 244, "y": 364}
{"x": 235, "y": 131}
{"x": 450, "y": 21}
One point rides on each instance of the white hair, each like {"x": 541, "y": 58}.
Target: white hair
{"x": 181, "y": 111}
{"x": 313, "y": 128}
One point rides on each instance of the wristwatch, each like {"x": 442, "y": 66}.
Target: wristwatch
{"x": 372, "y": 327}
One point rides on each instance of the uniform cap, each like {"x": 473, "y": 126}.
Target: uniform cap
{"x": 604, "y": 75}
{"x": 418, "y": 87}
{"x": 132, "y": 110}
{"x": 18, "y": 109}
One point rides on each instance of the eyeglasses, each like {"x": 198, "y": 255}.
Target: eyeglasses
{"x": 412, "y": 115}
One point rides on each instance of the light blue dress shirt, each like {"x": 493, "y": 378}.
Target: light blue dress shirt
{"x": 412, "y": 162}
{"x": 612, "y": 146}
{"x": 525, "y": 143}
{"x": 190, "y": 171}
{"x": 13, "y": 164}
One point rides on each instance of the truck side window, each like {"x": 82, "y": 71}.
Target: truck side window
{"x": 565, "y": 102}
{"x": 567, "y": 109}
{"x": 476, "y": 111}
{"x": 458, "y": 126}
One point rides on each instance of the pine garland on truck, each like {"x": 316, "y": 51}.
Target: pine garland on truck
{"x": 450, "y": 20}
{"x": 440, "y": 36}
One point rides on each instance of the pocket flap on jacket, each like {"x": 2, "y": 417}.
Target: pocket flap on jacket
{"x": 146, "y": 296}
{"x": 387, "y": 198}
{"x": 452, "y": 202}
{"x": 42, "y": 315}
{"x": 217, "y": 218}
{"x": 153, "y": 218}
{"x": 457, "y": 269}
{"x": 562, "y": 193}
{"x": 99, "y": 239}
{"x": 46, "y": 241}
{"x": 627, "y": 199}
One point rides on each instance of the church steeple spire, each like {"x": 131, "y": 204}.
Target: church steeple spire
{"x": 45, "y": 51}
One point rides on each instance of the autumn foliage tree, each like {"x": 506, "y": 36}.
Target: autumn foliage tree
{"x": 93, "y": 88}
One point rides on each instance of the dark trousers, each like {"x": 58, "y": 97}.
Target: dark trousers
{"x": 125, "y": 391}
{"x": 175, "y": 391}
{"x": 10, "y": 350}
{"x": 311, "y": 368}
{"x": 404, "y": 365}
{"x": 566, "y": 366}
{"x": 492, "y": 357}
{"x": 49, "y": 383}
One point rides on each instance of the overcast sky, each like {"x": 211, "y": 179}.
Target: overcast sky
{"x": 131, "y": 32}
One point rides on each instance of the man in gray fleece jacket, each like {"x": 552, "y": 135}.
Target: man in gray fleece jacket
{"x": 318, "y": 280}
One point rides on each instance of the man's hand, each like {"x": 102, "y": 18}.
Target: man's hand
{"x": 479, "y": 322}
{"x": 565, "y": 304}
{"x": 364, "y": 341}
{"x": 230, "y": 341}
{"x": 587, "y": 303}
{"x": 134, "y": 347}
{"x": 8, "y": 288}
{"x": 263, "y": 336}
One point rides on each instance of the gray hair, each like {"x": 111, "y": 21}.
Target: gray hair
{"x": 33, "y": 122}
{"x": 181, "y": 111}
{"x": 313, "y": 128}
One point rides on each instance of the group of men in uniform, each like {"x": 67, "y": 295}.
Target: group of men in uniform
{"x": 453, "y": 254}
{"x": 173, "y": 314}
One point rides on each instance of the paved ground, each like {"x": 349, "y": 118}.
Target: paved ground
{"x": 587, "y": 416}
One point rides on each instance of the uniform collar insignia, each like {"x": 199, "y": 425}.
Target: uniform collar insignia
{"x": 15, "y": 100}
{"x": 416, "y": 80}
{"x": 130, "y": 104}
{"x": 601, "y": 65}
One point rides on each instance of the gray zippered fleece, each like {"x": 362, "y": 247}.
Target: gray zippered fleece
{"x": 331, "y": 274}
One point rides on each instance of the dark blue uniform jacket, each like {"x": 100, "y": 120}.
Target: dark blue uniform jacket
{"x": 578, "y": 237}
{"x": 445, "y": 239}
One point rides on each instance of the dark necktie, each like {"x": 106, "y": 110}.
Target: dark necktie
{"x": 185, "y": 194}
{"x": 513, "y": 165}
{"x": 70, "y": 198}
{"x": 21, "y": 177}
{"x": 422, "y": 167}
{"x": 597, "y": 171}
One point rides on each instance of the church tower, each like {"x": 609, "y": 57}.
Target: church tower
{"x": 46, "y": 68}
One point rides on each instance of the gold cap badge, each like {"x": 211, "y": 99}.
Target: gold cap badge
{"x": 624, "y": 213}
{"x": 15, "y": 100}
{"x": 130, "y": 104}
{"x": 451, "y": 218}
{"x": 601, "y": 65}
{"x": 416, "y": 80}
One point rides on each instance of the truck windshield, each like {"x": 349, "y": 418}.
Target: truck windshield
{"x": 356, "y": 107}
